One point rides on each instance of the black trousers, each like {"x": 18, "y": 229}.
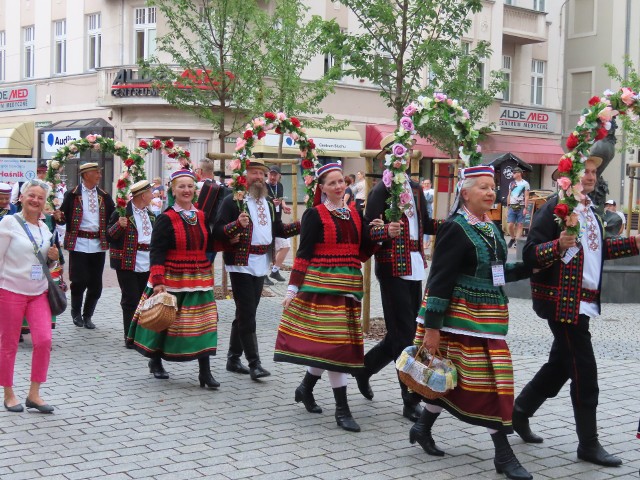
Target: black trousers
{"x": 85, "y": 274}
{"x": 400, "y": 304}
{"x": 571, "y": 358}
{"x": 132, "y": 285}
{"x": 247, "y": 291}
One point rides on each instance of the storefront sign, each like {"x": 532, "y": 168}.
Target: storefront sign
{"x": 129, "y": 82}
{"x": 53, "y": 140}
{"x": 513, "y": 118}
{"x": 43, "y": 124}
{"x": 17, "y": 98}
{"x": 17, "y": 169}
{"x": 326, "y": 144}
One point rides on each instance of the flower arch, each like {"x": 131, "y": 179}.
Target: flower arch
{"x": 256, "y": 130}
{"x": 133, "y": 162}
{"x": 415, "y": 116}
{"x": 593, "y": 125}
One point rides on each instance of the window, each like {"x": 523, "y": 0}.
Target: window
{"x": 145, "y": 33}
{"x": 3, "y": 56}
{"x": 331, "y": 61}
{"x": 480, "y": 75}
{"x": 94, "y": 41}
{"x": 466, "y": 48}
{"x": 59, "y": 46}
{"x": 29, "y": 36}
{"x": 537, "y": 82}
{"x": 539, "y": 5}
{"x": 509, "y": 2}
{"x": 506, "y": 75}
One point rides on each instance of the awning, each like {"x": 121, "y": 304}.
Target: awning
{"x": 16, "y": 139}
{"x": 375, "y": 133}
{"x": 533, "y": 150}
{"x": 343, "y": 143}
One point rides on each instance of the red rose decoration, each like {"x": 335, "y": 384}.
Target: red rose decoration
{"x": 261, "y": 134}
{"x": 312, "y": 144}
{"x": 168, "y": 144}
{"x": 601, "y": 133}
{"x": 594, "y": 100}
{"x": 143, "y": 144}
{"x": 295, "y": 122}
{"x": 242, "y": 181}
{"x": 248, "y": 134}
{"x": 173, "y": 155}
{"x": 156, "y": 144}
{"x": 306, "y": 164}
{"x": 561, "y": 210}
{"x": 572, "y": 142}
{"x": 270, "y": 116}
{"x": 129, "y": 162}
{"x": 187, "y": 154}
{"x": 278, "y": 131}
{"x": 122, "y": 202}
{"x": 565, "y": 164}
{"x": 121, "y": 184}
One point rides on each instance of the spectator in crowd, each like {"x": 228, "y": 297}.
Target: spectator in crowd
{"x": 6, "y": 207}
{"x": 275, "y": 191}
{"x": 358, "y": 189}
{"x": 517, "y": 202}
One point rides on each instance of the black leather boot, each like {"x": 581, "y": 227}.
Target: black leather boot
{"x": 87, "y": 322}
{"x": 304, "y": 393}
{"x": 421, "y": 433}
{"x": 524, "y": 407}
{"x": 155, "y": 367}
{"x": 411, "y": 408}
{"x": 235, "y": 352}
{"x": 90, "y": 303}
{"x": 505, "y": 460}
{"x": 589, "y": 448}
{"x": 205, "y": 376}
{"x": 374, "y": 361}
{"x": 76, "y": 308}
{"x": 343, "y": 414}
{"x": 250, "y": 346}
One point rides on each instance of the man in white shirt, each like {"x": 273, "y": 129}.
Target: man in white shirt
{"x": 517, "y": 201}
{"x": 85, "y": 211}
{"x": 248, "y": 262}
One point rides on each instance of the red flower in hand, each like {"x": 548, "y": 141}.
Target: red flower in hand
{"x": 306, "y": 164}
{"x": 295, "y": 122}
{"x": 168, "y": 144}
{"x": 122, "y": 202}
{"x": 561, "y": 210}
{"x": 270, "y": 116}
{"x": 601, "y": 133}
{"x": 129, "y": 162}
{"x": 248, "y": 134}
{"x": 572, "y": 142}
{"x": 312, "y": 144}
{"x": 242, "y": 181}
{"x": 261, "y": 134}
{"x": 565, "y": 164}
{"x": 594, "y": 100}
{"x": 143, "y": 144}
{"x": 156, "y": 144}
{"x": 121, "y": 184}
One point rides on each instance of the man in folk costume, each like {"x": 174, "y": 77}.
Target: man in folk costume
{"x": 210, "y": 195}
{"x": 566, "y": 292}
{"x": 248, "y": 262}
{"x": 129, "y": 242}
{"x": 85, "y": 211}
{"x": 6, "y": 207}
{"x": 400, "y": 268}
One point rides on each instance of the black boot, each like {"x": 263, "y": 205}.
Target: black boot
{"x": 411, "y": 403}
{"x": 304, "y": 393}
{"x": 90, "y": 303}
{"x": 421, "y": 433}
{"x": 87, "y": 322}
{"x": 155, "y": 367}
{"x": 524, "y": 407}
{"x": 76, "y": 308}
{"x": 374, "y": 361}
{"x": 235, "y": 352}
{"x": 505, "y": 460}
{"x": 589, "y": 448}
{"x": 343, "y": 414}
{"x": 205, "y": 376}
{"x": 250, "y": 346}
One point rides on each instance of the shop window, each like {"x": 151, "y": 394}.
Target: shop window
{"x": 506, "y": 75}
{"x": 537, "y": 82}
{"x": 3, "y": 56}
{"x": 59, "y": 46}
{"x": 481, "y": 74}
{"x": 94, "y": 41}
{"x": 29, "y": 50}
{"x": 539, "y": 5}
{"x": 144, "y": 33}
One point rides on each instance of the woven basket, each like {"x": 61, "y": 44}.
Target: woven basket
{"x": 431, "y": 376}
{"x": 158, "y": 312}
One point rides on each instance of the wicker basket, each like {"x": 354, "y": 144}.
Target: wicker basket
{"x": 431, "y": 376}
{"x": 158, "y": 312}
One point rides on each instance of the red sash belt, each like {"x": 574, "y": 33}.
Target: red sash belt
{"x": 589, "y": 296}
{"x": 91, "y": 235}
{"x": 143, "y": 247}
{"x": 259, "y": 249}
{"x": 414, "y": 245}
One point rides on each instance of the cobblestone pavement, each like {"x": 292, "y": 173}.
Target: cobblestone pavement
{"x": 113, "y": 420}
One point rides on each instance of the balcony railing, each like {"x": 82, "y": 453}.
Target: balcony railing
{"x": 523, "y": 26}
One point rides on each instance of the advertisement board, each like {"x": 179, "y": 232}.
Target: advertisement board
{"x": 17, "y": 169}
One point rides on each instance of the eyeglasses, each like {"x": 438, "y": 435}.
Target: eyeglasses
{"x": 36, "y": 183}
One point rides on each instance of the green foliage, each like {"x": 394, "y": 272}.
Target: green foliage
{"x": 631, "y": 126}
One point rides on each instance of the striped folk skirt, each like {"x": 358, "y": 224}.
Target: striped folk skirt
{"x": 484, "y": 395}
{"x": 194, "y": 334}
{"x": 322, "y": 331}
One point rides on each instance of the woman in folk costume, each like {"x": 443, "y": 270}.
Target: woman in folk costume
{"x": 320, "y": 325}
{"x": 179, "y": 266}
{"x": 464, "y": 314}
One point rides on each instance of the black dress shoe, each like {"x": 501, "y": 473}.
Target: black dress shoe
{"x": 267, "y": 282}
{"x": 236, "y": 366}
{"x": 15, "y": 408}
{"x": 277, "y": 276}
{"x": 21, "y": 339}
{"x": 88, "y": 324}
{"x": 364, "y": 387}
{"x": 44, "y": 408}
{"x": 78, "y": 321}
{"x": 412, "y": 412}
{"x": 594, "y": 453}
{"x": 258, "y": 372}
{"x": 155, "y": 367}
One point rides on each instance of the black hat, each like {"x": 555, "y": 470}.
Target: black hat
{"x": 274, "y": 168}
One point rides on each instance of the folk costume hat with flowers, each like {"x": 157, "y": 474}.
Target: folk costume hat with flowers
{"x": 318, "y": 196}
{"x": 469, "y": 172}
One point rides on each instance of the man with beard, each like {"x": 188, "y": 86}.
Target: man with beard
{"x": 248, "y": 261}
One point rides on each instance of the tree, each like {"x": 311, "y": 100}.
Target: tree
{"x": 217, "y": 48}
{"x": 400, "y": 40}
{"x": 630, "y": 123}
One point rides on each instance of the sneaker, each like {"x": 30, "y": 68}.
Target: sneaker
{"x": 512, "y": 243}
{"x": 277, "y": 276}
{"x": 267, "y": 282}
